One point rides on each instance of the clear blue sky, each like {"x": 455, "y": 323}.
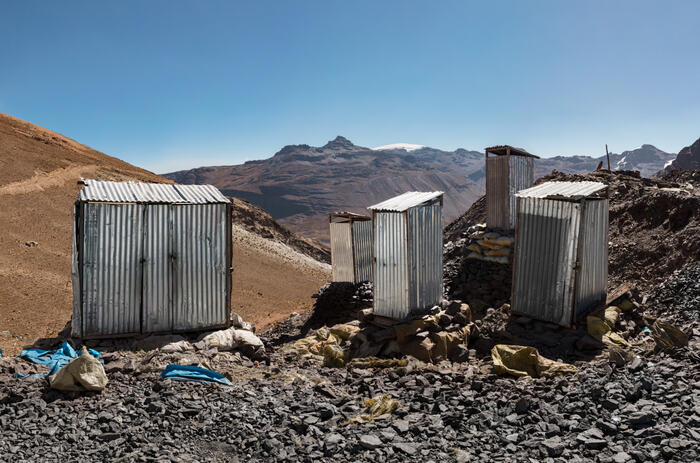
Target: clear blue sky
{"x": 172, "y": 84}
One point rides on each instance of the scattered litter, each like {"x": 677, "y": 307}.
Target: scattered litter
{"x": 84, "y": 373}
{"x": 376, "y": 406}
{"x": 193, "y": 373}
{"x": 54, "y": 359}
{"x": 601, "y": 328}
{"x": 374, "y": 362}
{"x": 236, "y": 339}
{"x": 668, "y": 336}
{"x": 525, "y": 361}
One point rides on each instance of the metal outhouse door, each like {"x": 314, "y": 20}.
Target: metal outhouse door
{"x": 111, "y": 266}
{"x": 150, "y": 268}
{"x": 342, "y": 260}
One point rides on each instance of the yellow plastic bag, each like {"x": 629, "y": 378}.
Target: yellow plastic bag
{"x": 376, "y": 406}
{"x": 525, "y": 361}
{"x": 601, "y": 329}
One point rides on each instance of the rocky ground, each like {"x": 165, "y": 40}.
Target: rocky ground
{"x": 635, "y": 402}
{"x": 296, "y": 409}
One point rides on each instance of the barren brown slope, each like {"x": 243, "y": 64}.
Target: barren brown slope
{"x": 39, "y": 170}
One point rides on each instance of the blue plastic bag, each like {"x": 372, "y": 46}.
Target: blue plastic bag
{"x": 54, "y": 359}
{"x": 192, "y": 373}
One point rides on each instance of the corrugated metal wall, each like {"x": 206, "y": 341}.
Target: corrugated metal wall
{"x": 592, "y": 278}
{"x": 425, "y": 243}
{"x": 391, "y": 285}
{"x": 341, "y": 252}
{"x": 157, "y": 269}
{"x": 111, "y": 266}
{"x": 77, "y": 321}
{"x": 200, "y": 270}
{"x": 497, "y": 198}
{"x": 150, "y": 268}
{"x": 362, "y": 244}
{"x": 521, "y": 175}
{"x": 545, "y": 256}
{"x": 505, "y": 176}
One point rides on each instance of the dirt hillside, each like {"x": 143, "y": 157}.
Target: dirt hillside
{"x": 39, "y": 170}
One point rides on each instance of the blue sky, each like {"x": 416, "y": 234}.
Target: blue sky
{"x": 171, "y": 84}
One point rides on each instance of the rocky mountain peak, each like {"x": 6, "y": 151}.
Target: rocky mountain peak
{"x": 339, "y": 142}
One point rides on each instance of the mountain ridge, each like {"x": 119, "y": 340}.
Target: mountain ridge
{"x": 300, "y": 184}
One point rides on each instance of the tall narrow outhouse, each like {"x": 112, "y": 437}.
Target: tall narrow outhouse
{"x": 407, "y": 253}
{"x": 560, "y": 269}
{"x": 351, "y": 247}
{"x": 150, "y": 258}
{"x": 508, "y": 170}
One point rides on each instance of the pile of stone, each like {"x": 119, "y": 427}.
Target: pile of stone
{"x": 478, "y": 268}
{"x": 440, "y": 334}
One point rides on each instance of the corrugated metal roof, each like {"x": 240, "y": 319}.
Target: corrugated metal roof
{"x": 406, "y": 201}
{"x": 137, "y": 192}
{"x": 568, "y": 190}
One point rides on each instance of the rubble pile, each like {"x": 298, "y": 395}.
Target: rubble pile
{"x": 478, "y": 267}
{"x": 440, "y": 334}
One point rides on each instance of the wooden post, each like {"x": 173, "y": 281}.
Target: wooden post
{"x": 608, "y": 155}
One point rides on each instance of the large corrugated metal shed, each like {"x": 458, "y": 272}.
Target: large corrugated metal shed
{"x": 138, "y": 192}
{"x": 406, "y": 201}
{"x": 150, "y": 258}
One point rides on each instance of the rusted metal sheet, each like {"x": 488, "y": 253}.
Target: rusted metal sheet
{"x": 362, "y": 250}
{"x": 592, "y": 278}
{"x": 425, "y": 242}
{"x": 157, "y": 269}
{"x": 342, "y": 261}
{"x": 545, "y": 249}
{"x": 505, "y": 176}
{"x": 497, "y": 192}
{"x": 111, "y": 269}
{"x": 391, "y": 275}
{"x": 200, "y": 249}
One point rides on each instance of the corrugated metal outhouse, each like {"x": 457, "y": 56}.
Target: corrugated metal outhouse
{"x": 407, "y": 253}
{"x": 508, "y": 170}
{"x": 560, "y": 271}
{"x": 351, "y": 246}
{"x": 150, "y": 258}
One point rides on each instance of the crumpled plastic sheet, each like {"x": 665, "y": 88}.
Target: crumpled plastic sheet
{"x": 193, "y": 373}
{"x": 526, "y": 361}
{"x": 376, "y": 406}
{"x": 53, "y": 359}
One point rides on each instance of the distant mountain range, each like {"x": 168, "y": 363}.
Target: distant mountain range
{"x": 688, "y": 159}
{"x": 301, "y": 184}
